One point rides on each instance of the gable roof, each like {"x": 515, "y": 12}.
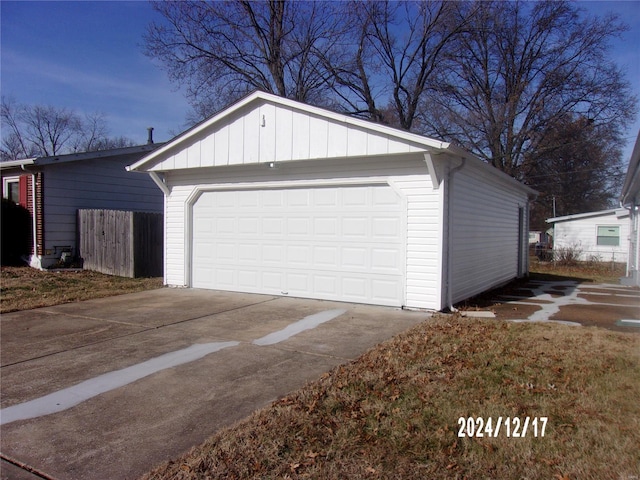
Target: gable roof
{"x": 617, "y": 212}
{"x": 264, "y": 112}
{"x": 265, "y": 128}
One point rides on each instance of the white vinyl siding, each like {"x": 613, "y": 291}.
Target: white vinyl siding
{"x": 484, "y": 232}
{"x": 407, "y": 175}
{"x": 585, "y": 235}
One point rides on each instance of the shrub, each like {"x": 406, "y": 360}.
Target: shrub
{"x": 567, "y": 256}
{"x": 16, "y": 233}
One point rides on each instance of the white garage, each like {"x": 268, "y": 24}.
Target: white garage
{"x": 276, "y": 197}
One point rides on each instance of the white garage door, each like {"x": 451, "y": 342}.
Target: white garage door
{"x": 334, "y": 243}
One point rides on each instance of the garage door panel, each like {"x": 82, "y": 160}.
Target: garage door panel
{"x": 325, "y": 227}
{"x": 248, "y": 253}
{"x": 225, "y": 253}
{"x": 271, "y": 198}
{"x": 299, "y": 227}
{"x": 273, "y": 254}
{"x": 386, "y": 229}
{"x": 325, "y": 257}
{"x": 355, "y": 258}
{"x": 298, "y": 256}
{"x": 337, "y": 243}
{"x": 272, "y": 282}
{"x": 355, "y": 228}
{"x": 325, "y": 197}
{"x": 249, "y": 226}
{"x": 248, "y": 279}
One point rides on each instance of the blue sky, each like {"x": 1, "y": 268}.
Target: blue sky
{"x": 87, "y": 56}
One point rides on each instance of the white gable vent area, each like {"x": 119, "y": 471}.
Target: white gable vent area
{"x": 343, "y": 243}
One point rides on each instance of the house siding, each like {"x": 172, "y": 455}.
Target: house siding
{"x": 485, "y": 243}
{"x": 269, "y": 133}
{"x": 581, "y": 234}
{"x": 100, "y": 183}
{"x": 407, "y": 175}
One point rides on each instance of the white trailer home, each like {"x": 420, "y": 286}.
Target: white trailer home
{"x": 598, "y": 236}
{"x": 277, "y": 197}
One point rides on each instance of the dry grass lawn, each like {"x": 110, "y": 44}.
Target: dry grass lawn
{"x": 22, "y": 288}
{"x": 598, "y": 272}
{"x": 393, "y": 413}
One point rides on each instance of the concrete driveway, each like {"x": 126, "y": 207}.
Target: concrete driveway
{"x": 109, "y": 388}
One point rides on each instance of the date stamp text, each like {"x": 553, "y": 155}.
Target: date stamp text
{"x": 511, "y": 427}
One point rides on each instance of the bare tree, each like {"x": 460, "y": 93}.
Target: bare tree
{"x": 518, "y": 73}
{"x": 396, "y": 55}
{"x": 50, "y": 128}
{"x": 224, "y": 49}
{"x": 44, "y": 130}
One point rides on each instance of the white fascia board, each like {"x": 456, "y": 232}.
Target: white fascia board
{"x": 17, "y": 163}
{"x": 611, "y": 211}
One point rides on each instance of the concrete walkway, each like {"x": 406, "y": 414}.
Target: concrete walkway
{"x": 109, "y": 388}
{"x": 613, "y": 307}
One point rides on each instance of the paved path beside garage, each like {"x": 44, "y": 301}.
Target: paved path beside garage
{"x": 614, "y": 307}
{"x": 109, "y": 388}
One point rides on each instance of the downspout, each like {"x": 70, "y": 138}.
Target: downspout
{"x": 165, "y": 190}
{"x": 448, "y": 235}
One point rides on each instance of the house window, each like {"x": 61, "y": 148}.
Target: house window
{"x": 608, "y": 236}
{"x": 11, "y": 189}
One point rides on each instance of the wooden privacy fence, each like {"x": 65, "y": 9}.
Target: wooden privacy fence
{"x": 127, "y": 244}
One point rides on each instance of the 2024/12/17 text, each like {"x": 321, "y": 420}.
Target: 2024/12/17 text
{"x": 512, "y": 427}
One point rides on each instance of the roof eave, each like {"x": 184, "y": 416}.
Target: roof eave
{"x": 11, "y": 164}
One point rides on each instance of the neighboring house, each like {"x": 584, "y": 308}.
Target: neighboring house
{"x": 66, "y": 183}
{"x": 630, "y": 199}
{"x": 599, "y": 236}
{"x": 277, "y": 197}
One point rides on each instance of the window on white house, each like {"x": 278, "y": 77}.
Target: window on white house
{"x": 11, "y": 190}
{"x": 608, "y": 236}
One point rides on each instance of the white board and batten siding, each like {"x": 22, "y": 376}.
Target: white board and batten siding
{"x": 580, "y": 233}
{"x": 486, "y": 245}
{"x": 269, "y": 133}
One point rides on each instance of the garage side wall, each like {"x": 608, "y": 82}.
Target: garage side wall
{"x": 489, "y": 228}
{"x": 408, "y": 176}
